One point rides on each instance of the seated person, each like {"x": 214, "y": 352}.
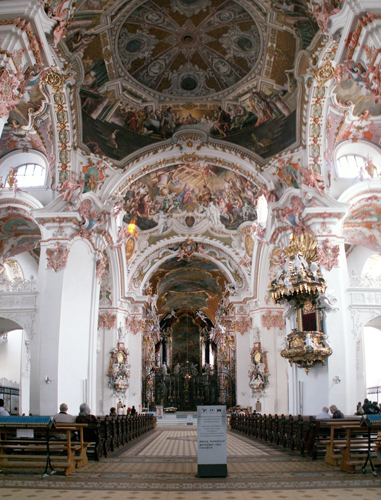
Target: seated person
{"x": 370, "y": 408}
{"x": 324, "y": 413}
{"x": 113, "y": 412}
{"x": 85, "y": 417}
{"x": 63, "y": 417}
{"x": 336, "y": 413}
{"x": 3, "y": 411}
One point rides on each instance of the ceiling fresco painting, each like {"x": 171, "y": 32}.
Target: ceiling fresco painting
{"x": 362, "y": 225}
{"x": 185, "y": 48}
{"x": 29, "y": 125}
{"x": 18, "y": 234}
{"x": 350, "y": 93}
{"x": 196, "y": 284}
{"x": 216, "y": 193}
{"x": 217, "y": 66}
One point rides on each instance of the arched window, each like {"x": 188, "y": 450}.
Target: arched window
{"x": 29, "y": 169}
{"x": 262, "y": 210}
{"x": 359, "y": 160}
{"x": 13, "y": 271}
{"x": 351, "y": 166}
{"x": 372, "y": 266}
{"x": 28, "y": 175}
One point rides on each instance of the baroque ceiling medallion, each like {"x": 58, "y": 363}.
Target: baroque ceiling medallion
{"x": 167, "y": 52}
{"x": 325, "y": 72}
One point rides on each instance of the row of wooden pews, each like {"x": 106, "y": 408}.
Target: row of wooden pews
{"x": 37, "y": 443}
{"x": 110, "y": 433}
{"x": 285, "y": 431}
{"x": 345, "y": 443}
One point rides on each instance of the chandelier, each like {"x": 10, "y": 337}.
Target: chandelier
{"x": 298, "y": 286}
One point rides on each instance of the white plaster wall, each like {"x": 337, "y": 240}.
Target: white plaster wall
{"x": 76, "y": 324}
{"x": 360, "y": 369}
{"x": 342, "y": 362}
{"x": 10, "y": 356}
{"x": 28, "y": 265}
{"x": 243, "y": 349}
{"x": 357, "y": 258}
{"x": 106, "y": 397}
{"x": 44, "y": 345}
{"x": 276, "y": 400}
{"x": 314, "y": 389}
{"x": 134, "y": 343}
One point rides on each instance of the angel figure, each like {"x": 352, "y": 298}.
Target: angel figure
{"x": 72, "y": 190}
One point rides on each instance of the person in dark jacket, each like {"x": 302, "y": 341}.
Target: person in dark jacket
{"x": 85, "y": 417}
{"x": 370, "y": 408}
{"x": 336, "y": 413}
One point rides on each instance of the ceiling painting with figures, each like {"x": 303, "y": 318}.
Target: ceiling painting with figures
{"x": 212, "y": 192}
{"x": 222, "y": 67}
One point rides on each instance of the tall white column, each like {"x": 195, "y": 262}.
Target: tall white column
{"x": 24, "y": 401}
{"x": 64, "y": 347}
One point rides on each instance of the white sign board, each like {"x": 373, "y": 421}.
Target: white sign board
{"x": 212, "y": 444}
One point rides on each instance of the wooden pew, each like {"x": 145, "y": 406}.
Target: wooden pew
{"x": 350, "y": 444}
{"x": 41, "y": 449}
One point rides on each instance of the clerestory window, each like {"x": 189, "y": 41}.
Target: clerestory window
{"x": 27, "y": 175}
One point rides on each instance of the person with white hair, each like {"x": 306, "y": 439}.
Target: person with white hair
{"x": 85, "y": 417}
{"x": 336, "y": 413}
{"x": 324, "y": 413}
{"x": 63, "y": 417}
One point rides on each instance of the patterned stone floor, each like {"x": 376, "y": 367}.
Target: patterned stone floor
{"x": 163, "y": 466}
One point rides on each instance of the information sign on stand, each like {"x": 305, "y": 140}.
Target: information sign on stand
{"x": 212, "y": 441}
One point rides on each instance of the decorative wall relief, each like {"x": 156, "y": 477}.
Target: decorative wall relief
{"x": 56, "y": 80}
{"x": 11, "y": 90}
{"x": 258, "y": 371}
{"x": 101, "y": 267}
{"x": 135, "y": 323}
{"x": 119, "y": 370}
{"x": 105, "y": 292}
{"x": 324, "y": 12}
{"x": 57, "y": 256}
{"x": 275, "y": 320}
{"x": 328, "y": 254}
{"x": 107, "y": 320}
{"x": 243, "y": 323}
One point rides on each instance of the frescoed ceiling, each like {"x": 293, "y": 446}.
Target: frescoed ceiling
{"x": 18, "y": 233}
{"x": 186, "y": 48}
{"x": 195, "y": 284}
{"x": 363, "y": 223}
{"x": 211, "y": 191}
{"x": 156, "y": 67}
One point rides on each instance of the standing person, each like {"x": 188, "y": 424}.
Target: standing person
{"x": 336, "y": 413}
{"x": 3, "y": 411}
{"x": 133, "y": 411}
{"x": 324, "y": 413}
{"x": 124, "y": 410}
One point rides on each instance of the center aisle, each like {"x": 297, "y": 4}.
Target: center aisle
{"x": 162, "y": 465}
